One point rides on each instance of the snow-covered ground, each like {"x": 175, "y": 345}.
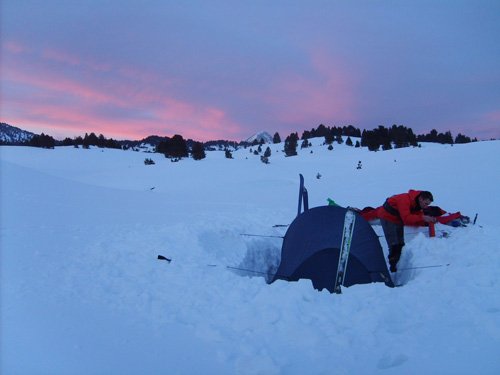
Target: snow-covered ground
{"x": 82, "y": 290}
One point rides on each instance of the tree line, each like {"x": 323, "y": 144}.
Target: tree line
{"x": 42, "y": 140}
{"x": 91, "y": 140}
{"x": 177, "y": 147}
{"x": 397, "y": 136}
{"x": 46, "y": 141}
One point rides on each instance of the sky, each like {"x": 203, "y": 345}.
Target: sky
{"x": 227, "y": 69}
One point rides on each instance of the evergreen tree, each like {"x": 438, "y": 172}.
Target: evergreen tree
{"x": 336, "y": 131}
{"x": 399, "y": 135}
{"x": 291, "y": 144}
{"x": 462, "y": 139}
{"x": 267, "y": 153}
{"x": 329, "y": 138}
{"x": 322, "y": 131}
{"x": 175, "y": 147}
{"x": 276, "y": 138}
{"x": 43, "y": 141}
{"x": 162, "y": 146}
{"x": 90, "y": 140}
{"x": 78, "y": 140}
{"x": 446, "y": 138}
{"x": 101, "y": 141}
{"x": 351, "y": 131}
{"x": 306, "y": 134}
{"x": 348, "y": 142}
{"x": 363, "y": 138}
{"x": 371, "y": 140}
{"x": 436, "y": 137}
{"x": 111, "y": 143}
{"x": 198, "y": 151}
{"x": 412, "y": 138}
{"x": 178, "y": 147}
{"x": 433, "y": 136}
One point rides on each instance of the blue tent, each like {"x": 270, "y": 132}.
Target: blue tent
{"x": 312, "y": 248}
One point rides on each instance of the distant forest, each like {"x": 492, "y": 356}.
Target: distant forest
{"x": 176, "y": 147}
{"x": 397, "y": 136}
{"x": 46, "y": 141}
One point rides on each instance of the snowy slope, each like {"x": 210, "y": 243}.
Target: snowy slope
{"x": 12, "y": 135}
{"x": 260, "y": 136}
{"x": 83, "y": 292}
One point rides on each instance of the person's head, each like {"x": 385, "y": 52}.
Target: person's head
{"x": 425, "y": 198}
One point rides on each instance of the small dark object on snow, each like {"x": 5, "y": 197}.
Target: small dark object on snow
{"x": 161, "y": 257}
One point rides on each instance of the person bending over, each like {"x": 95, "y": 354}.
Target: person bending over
{"x": 398, "y": 211}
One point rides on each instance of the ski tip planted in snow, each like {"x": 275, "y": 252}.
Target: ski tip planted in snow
{"x": 161, "y": 257}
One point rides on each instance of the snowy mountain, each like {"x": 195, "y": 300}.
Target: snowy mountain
{"x": 10, "y": 135}
{"x": 83, "y": 290}
{"x": 261, "y": 136}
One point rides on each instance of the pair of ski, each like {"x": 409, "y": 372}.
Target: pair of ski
{"x": 345, "y": 247}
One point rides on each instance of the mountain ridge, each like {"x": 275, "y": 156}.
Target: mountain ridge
{"x": 12, "y": 135}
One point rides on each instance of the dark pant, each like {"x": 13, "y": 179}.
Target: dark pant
{"x": 394, "y": 235}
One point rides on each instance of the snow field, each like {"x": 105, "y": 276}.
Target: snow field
{"x": 83, "y": 291}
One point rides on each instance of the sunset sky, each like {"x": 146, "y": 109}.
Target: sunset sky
{"x": 227, "y": 69}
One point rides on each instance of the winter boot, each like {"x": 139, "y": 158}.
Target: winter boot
{"x": 394, "y": 255}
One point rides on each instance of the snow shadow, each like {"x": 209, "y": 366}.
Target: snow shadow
{"x": 262, "y": 259}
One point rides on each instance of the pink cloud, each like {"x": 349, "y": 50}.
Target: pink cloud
{"x": 128, "y": 102}
{"x": 328, "y": 95}
{"x": 493, "y": 116}
{"x": 59, "y": 56}
{"x": 177, "y": 118}
{"x": 197, "y": 122}
{"x": 14, "y": 47}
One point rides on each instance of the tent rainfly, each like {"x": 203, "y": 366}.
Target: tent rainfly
{"x": 324, "y": 246}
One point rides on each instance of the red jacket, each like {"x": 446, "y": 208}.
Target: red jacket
{"x": 406, "y": 205}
